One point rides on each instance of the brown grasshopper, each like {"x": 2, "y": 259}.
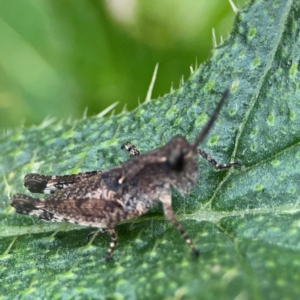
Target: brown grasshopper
{"x": 102, "y": 199}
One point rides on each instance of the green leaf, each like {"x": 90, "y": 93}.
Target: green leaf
{"x": 245, "y": 221}
{"x": 64, "y": 61}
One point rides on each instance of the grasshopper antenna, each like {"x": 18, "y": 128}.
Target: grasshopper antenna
{"x": 211, "y": 121}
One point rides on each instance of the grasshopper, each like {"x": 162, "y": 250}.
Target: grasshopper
{"x": 102, "y": 199}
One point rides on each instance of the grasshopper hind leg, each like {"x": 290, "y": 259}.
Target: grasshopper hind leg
{"x": 47, "y": 184}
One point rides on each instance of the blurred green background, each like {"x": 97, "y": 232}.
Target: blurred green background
{"x": 59, "y": 57}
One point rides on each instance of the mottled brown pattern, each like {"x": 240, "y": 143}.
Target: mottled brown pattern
{"x": 48, "y": 184}
{"x": 104, "y": 198}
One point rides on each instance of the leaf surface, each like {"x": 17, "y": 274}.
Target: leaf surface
{"x": 245, "y": 221}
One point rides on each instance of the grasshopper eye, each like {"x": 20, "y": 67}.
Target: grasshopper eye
{"x": 176, "y": 160}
